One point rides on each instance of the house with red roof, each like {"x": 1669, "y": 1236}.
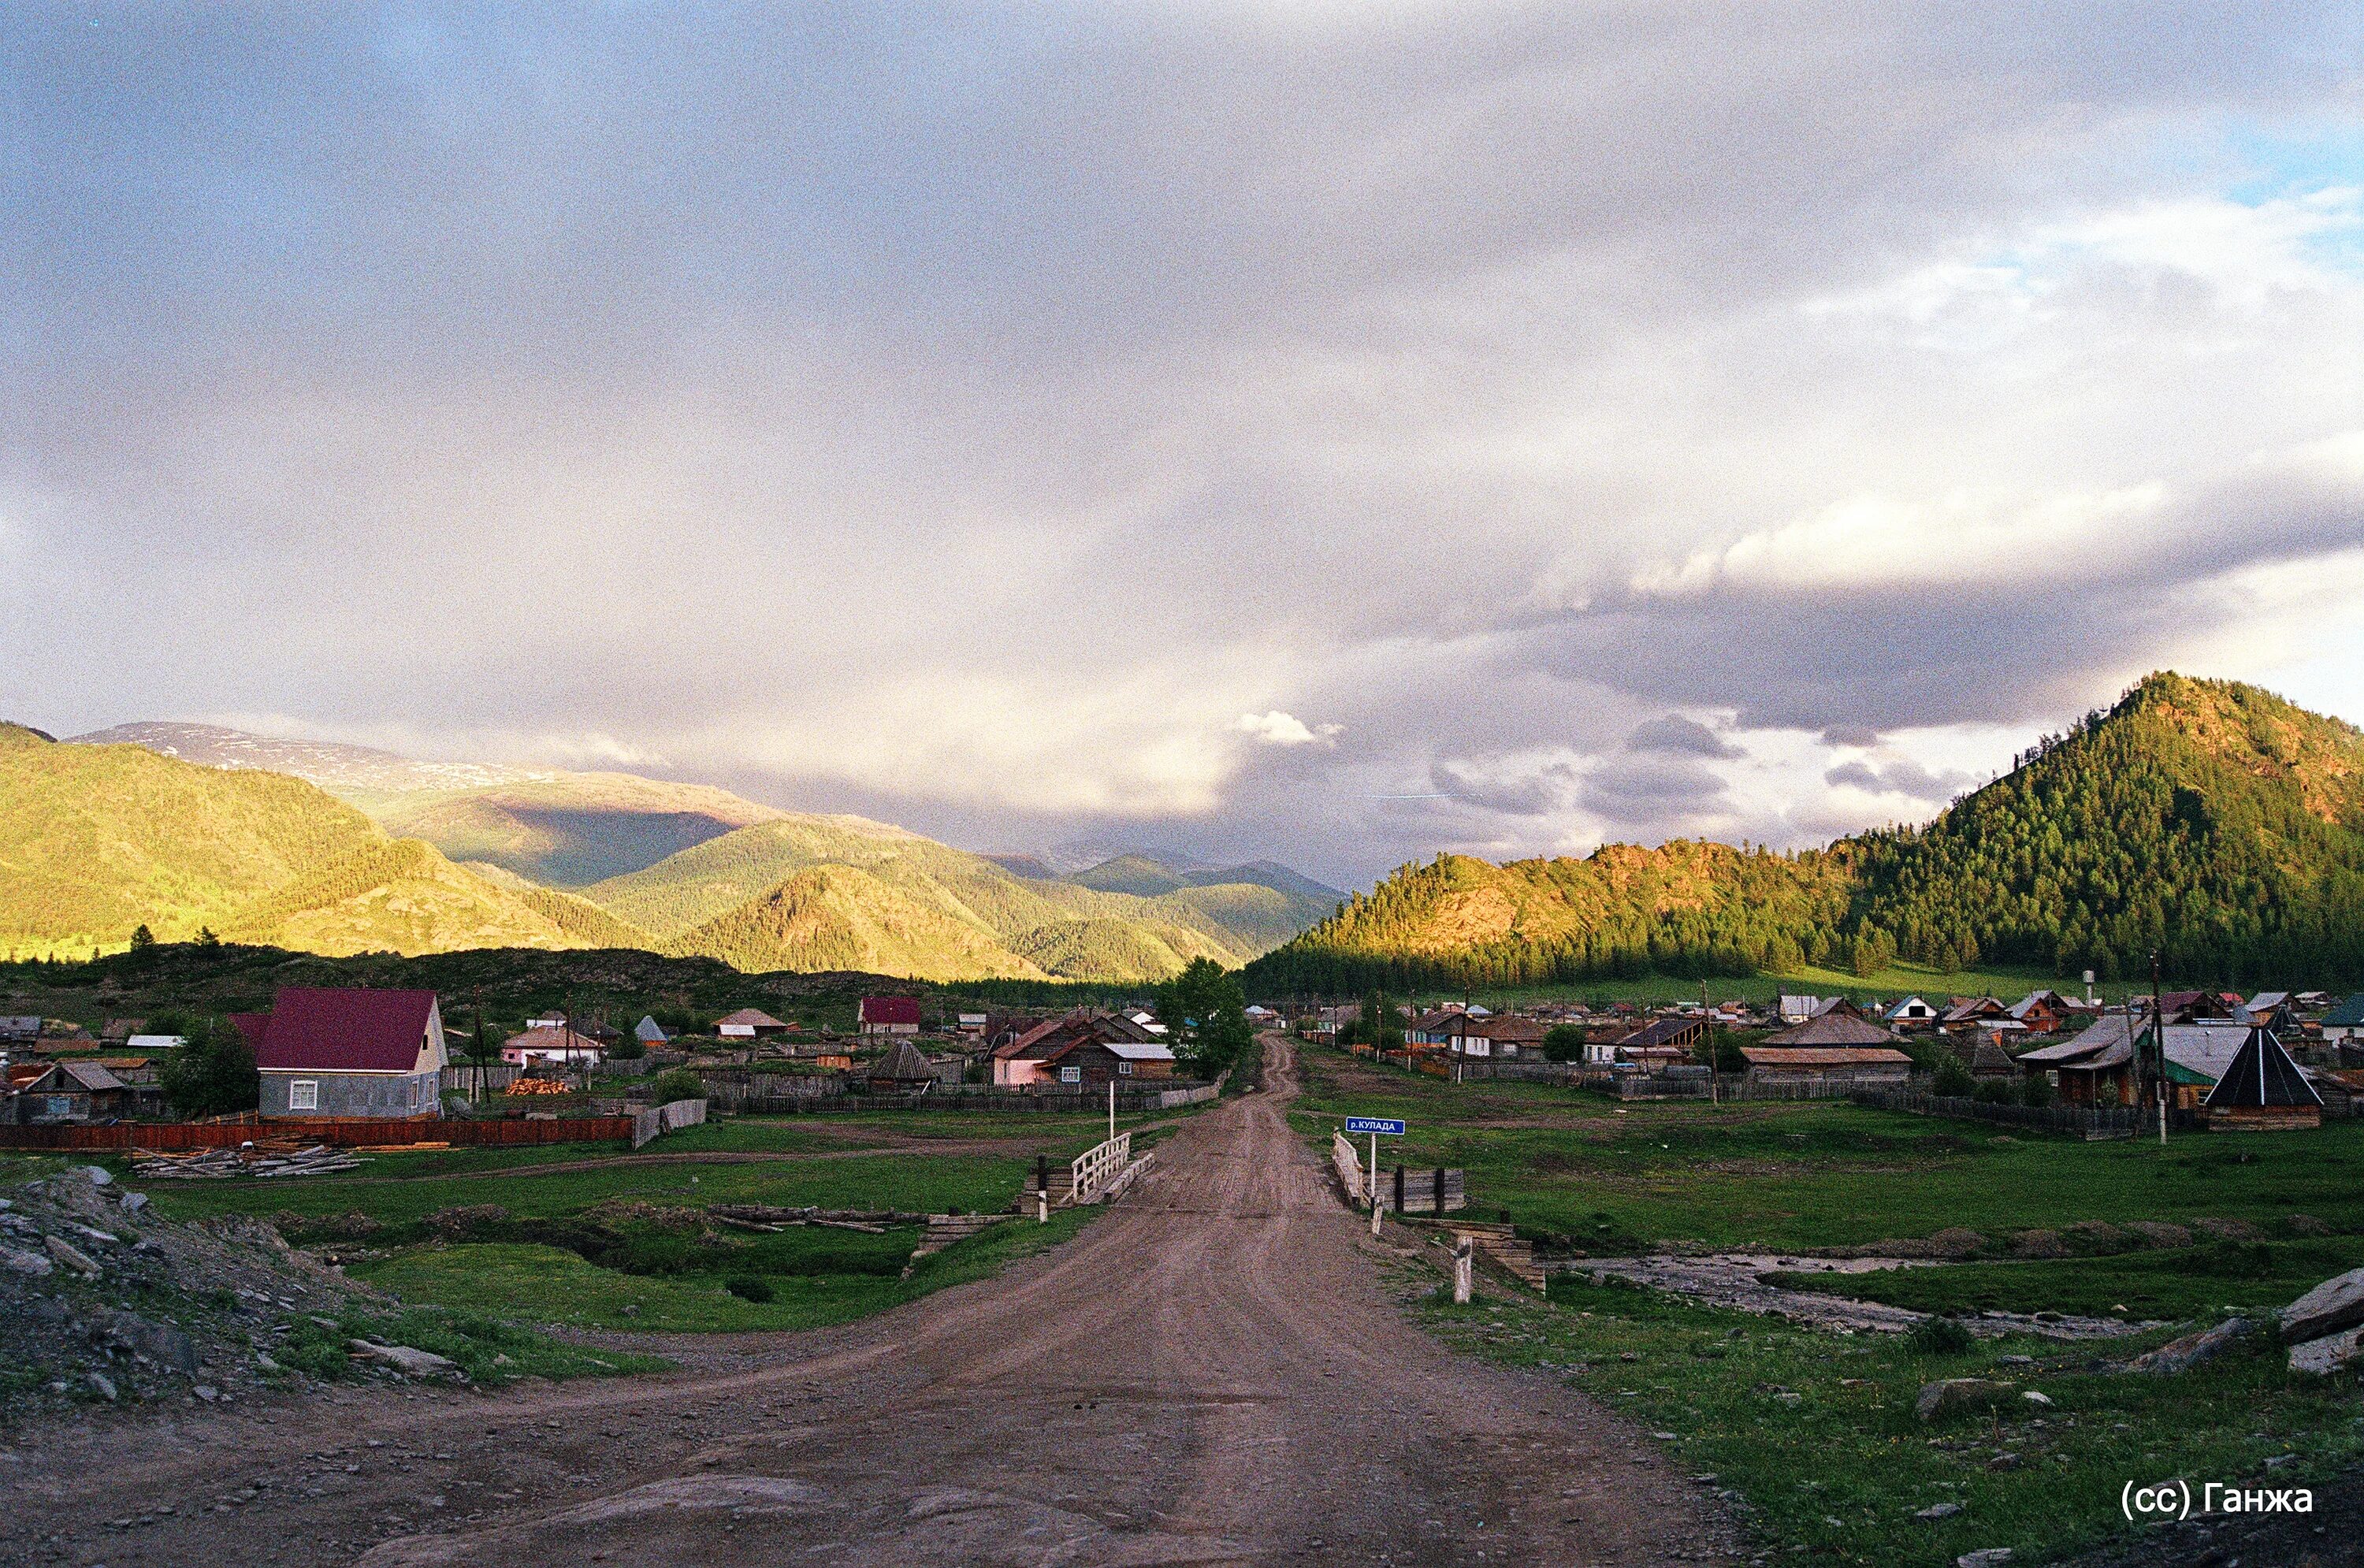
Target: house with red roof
{"x": 889, "y": 1015}
{"x": 348, "y": 1053}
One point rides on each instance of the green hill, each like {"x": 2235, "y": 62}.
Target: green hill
{"x": 2209, "y": 820}
{"x": 565, "y": 829}
{"x": 98, "y": 839}
{"x": 1058, "y": 928}
{"x": 843, "y": 918}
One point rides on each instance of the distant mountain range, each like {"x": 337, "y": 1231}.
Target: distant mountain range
{"x": 341, "y": 850}
{"x": 2209, "y": 821}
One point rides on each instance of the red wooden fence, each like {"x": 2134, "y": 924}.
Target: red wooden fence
{"x": 343, "y": 1131}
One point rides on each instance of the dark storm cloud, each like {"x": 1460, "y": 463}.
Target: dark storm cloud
{"x": 989, "y": 409}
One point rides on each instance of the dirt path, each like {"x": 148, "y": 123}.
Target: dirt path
{"x": 1211, "y": 1373}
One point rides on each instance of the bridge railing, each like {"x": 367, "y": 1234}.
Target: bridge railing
{"x": 1096, "y": 1167}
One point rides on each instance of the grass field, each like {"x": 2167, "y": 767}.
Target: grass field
{"x": 1814, "y": 1431}
{"x": 1578, "y": 1171}
{"x": 590, "y": 1236}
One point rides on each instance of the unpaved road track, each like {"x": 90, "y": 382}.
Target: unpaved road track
{"x": 1214, "y": 1371}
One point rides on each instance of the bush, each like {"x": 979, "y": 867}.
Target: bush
{"x": 628, "y": 1049}
{"x": 2106, "y": 1096}
{"x": 676, "y": 1083}
{"x": 1952, "y": 1079}
{"x": 1939, "y": 1336}
{"x": 2035, "y": 1090}
{"x": 749, "y": 1287}
{"x": 1563, "y": 1043}
{"x": 1994, "y": 1092}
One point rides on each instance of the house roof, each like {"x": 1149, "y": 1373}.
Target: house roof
{"x": 890, "y": 1009}
{"x": 86, "y": 1075}
{"x": 648, "y": 1032}
{"x": 155, "y": 1041}
{"x": 906, "y": 1063}
{"x": 752, "y": 1017}
{"x": 1054, "y": 1035}
{"x": 2029, "y": 1003}
{"x": 1140, "y": 1050}
{"x": 1513, "y": 1030}
{"x": 1823, "y": 1056}
{"x": 2262, "y": 1075}
{"x": 1803, "y": 1007}
{"x": 1660, "y": 1031}
{"x": 2348, "y": 1014}
{"x": 1898, "y": 1011}
{"x": 1831, "y": 1028}
{"x": 2104, "y": 1042}
{"x": 1963, "y": 1009}
{"x": 309, "y": 1029}
{"x": 2207, "y": 1049}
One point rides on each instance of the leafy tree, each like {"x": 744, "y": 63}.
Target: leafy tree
{"x": 1953, "y": 1079}
{"x": 2035, "y": 1090}
{"x": 676, "y": 1083}
{"x": 1720, "y": 1049}
{"x": 1204, "y": 1010}
{"x": 1563, "y": 1043}
{"x": 212, "y": 1073}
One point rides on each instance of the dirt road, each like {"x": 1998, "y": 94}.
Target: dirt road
{"x": 1214, "y": 1371}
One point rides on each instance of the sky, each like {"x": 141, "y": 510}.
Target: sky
{"x": 1336, "y": 433}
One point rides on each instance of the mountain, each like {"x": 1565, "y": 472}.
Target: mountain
{"x": 421, "y": 857}
{"x": 745, "y": 882}
{"x": 2209, "y": 820}
{"x": 559, "y": 829}
{"x": 98, "y": 839}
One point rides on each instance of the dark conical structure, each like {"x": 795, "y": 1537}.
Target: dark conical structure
{"x": 2262, "y": 1077}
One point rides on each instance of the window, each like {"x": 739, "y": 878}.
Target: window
{"x": 303, "y": 1095}
{"x": 1071, "y": 1075}
{"x": 1125, "y": 1068}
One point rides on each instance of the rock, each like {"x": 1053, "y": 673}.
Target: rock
{"x": 1985, "y": 1557}
{"x": 134, "y": 1202}
{"x": 2330, "y": 1353}
{"x": 206, "y": 1392}
{"x": 103, "y": 1384}
{"x": 100, "y": 1176}
{"x": 2334, "y": 1304}
{"x": 2307, "y": 1225}
{"x": 16, "y": 1259}
{"x": 2181, "y": 1355}
{"x": 1939, "y": 1400}
{"x": 2003, "y": 1462}
{"x": 2033, "y": 1397}
{"x": 160, "y": 1342}
{"x": 2159, "y": 1233}
{"x": 71, "y": 1256}
{"x": 404, "y": 1359}
{"x": 262, "y": 1359}
{"x": 1938, "y": 1511}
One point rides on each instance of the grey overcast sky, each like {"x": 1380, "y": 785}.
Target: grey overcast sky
{"x": 1335, "y": 432}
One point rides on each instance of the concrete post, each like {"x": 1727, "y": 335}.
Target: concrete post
{"x": 1461, "y": 1268}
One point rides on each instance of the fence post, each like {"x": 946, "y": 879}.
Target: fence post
{"x": 1440, "y": 1192}
{"x": 1461, "y": 1272}
{"x": 1399, "y": 1189}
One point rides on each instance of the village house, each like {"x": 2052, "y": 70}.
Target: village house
{"x": 748, "y": 1023}
{"x": 651, "y": 1034}
{"x": 2041, "y": 1012}
{"x": 1964, "y": 1014}
{"x": 1661, "y": 1042}
{"x": 20, "y": 1028}
{"x": 348, "y": 1053}
{"x": 1852, "y": 1066}
{"x": 1912, "y": 1013}
{"x": 74, "y": 1090}
{"x": 553, "y": 1046}
{"x": 2097, "y": 1058}
{"x": 1832, "y": 1027}
{"x": 2344, "y": 1024}
{"x": 1081, "y": 1046}
{"x": 1798, "y": 1009}
{"x": 889, "y": 1015}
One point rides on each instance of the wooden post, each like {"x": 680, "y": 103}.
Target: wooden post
{"x": 1399, "y": 1189}
{"x": 1112, "y": 1110}
{"x": 1440, "y": 1192}
{"x": 1461, "y": 1272}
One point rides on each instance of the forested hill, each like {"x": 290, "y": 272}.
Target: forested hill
{"x": 2211, "y": 822}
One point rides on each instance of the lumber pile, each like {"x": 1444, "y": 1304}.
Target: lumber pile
{"x": 767, "y": 1217}
{"x": 277, "y": 1158}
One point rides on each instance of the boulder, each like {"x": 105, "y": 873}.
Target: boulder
{"x": 2181, "y": 1355}
{"x": 2330, "y": 1354}
{"x": 1938, "y": 1511}
{"x": 160, "y": 1342}
{"x": 1984, "y": 1557}
{"x": 2334, "y": 1304}
{"x": 16, "y": 1259}
{"x": 404, "y": 1359}
{"x": 1939, "y": 1400}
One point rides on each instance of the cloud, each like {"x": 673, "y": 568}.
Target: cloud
{"x": 1278, "y": 728}
{"x": 1683, "y": 737}
{"x": 1902, "y": 776}
{"x": 1009, "y": 428}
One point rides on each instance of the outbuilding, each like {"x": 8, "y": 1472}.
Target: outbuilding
{"x": 1848, "y": 1065}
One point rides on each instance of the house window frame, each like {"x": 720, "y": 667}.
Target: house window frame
{"x": 1071, "y": 1075}
{"x": 303, "y": 1094}
{"x": 1124, "y": 1068}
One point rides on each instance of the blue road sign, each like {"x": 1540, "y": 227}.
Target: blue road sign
{"x": 1375, "y": 1124}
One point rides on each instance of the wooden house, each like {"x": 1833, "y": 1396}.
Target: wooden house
{"x": 889, "y": 1015}
{"x": 2041, "y": 1012}
{"x": 1659, "y": 1042}
{"x": 2344, "y": 1024}
{"x": 2263, "y": 1090}
{"x": 70, "y": 1092}
{"x": 1834, "y": 1028}
{"x": 1851, "y": 1065}
{"x": 748, "y": 1023}
{"x": 2100, "y": 1056}
{"x": 905, "y": 1067}
{"x": 1044, "y": 1055}
{"x": 1912, "y": 1013}
{"x": 554, "y": 1046}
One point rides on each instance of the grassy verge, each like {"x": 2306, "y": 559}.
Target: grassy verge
{"x": 491, "y": 1352}
{"x": 1815, "y": 1434}
{"x": 2170, "y": 1285}
{"x": 550, "y": 1284}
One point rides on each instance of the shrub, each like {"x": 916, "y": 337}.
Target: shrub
{"x": 1939, "y": 1336}
{"x": 676, "y": 1083}
{"x": 1564, "y": 1042}
{"x": 2106, "y": 1096}
{"x": 1994, "y": 1092}
{"x": 749, "y": 1287}
{"x": 2035, "y": 1090}
{"x": 1952, "y": 1079}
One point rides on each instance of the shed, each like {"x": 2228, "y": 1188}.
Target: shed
{"x": 72, "y": 1091}
{"x": 906, "y": 1066}
{"x": 1869, "y": 1066}
{"x": 1832, "y": 1027}
{"x": 747, "y": 1023}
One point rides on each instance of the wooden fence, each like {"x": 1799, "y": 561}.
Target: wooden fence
{"x": 341, "y": 1132}
{"x": 658, "y": 1121}
{"x": 1438, "y": 1190}
{"x": 1097, "y": 1166}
